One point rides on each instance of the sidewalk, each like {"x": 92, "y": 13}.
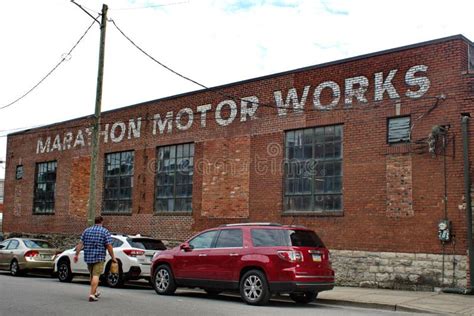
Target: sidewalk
{"x": 409, "y": 301}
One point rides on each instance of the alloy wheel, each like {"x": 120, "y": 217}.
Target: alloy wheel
{"x": 14, "y": 268}
{"x": 162, "y": 280}
{"x": 253, "y": 287}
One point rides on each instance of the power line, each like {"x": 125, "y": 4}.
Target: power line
{"x": 65, "y": 57}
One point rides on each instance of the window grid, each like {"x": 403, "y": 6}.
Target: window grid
{"x": 174, "y": 178}
{"x": 118, "y": 182}
{"x": 45, "y": 187}
{"x": 313, "y": 170}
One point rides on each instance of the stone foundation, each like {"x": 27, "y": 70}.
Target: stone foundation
{"x": 405, "y": 271}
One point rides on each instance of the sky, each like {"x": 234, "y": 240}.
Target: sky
{"x": 213, "y": 42}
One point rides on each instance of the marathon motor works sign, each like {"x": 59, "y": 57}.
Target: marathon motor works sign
{"x": 417, "y": 84}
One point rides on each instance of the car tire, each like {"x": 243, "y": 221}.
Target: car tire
{"x": 304, "y": 298}
{"x": 254, "y": 288}
{"x": 15, "y": 268}
{"x": 64, "y": 271}
{"x": 114, "y": 280}
{"x": 163, "y": 280}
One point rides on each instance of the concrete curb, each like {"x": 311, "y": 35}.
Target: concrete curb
{"x": 389, "y": 307}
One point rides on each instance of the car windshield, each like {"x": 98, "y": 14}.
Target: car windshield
{"x": 146, "y": 243}
{"x": 35, "y": 244}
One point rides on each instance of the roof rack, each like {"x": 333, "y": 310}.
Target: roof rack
{"x": 251, "y": 224}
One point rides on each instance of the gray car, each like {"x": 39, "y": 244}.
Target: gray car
{"x": 21, "y": 255}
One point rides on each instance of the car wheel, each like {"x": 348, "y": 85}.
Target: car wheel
{"x": 254, "y": 288}
{"x": 15, "y": 268}
{"x": 163, "y": 281}
{"x": 114, "y": 279}
{"x": 64, "y": 271}
{"x": 212, "y": 292}
{"x": 304, "y": 298}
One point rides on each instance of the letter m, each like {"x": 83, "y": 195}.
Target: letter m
{"x": 42, "y": 148}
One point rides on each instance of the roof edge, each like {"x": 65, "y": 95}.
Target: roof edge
{"x": 236, "y": 83}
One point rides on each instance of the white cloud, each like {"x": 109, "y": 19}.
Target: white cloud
{"x": 213, "y": 42}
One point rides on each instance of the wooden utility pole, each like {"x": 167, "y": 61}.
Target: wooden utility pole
{"x": 96, "y": 124}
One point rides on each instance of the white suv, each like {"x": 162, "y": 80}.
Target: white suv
{"x": 134, "y": 254}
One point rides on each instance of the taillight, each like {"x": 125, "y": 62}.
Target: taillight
{"x": 31, "y": 253}
{"x": 291, "y": 255}
{"x": 133, "y": 252}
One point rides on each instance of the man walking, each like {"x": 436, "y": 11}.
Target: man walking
{"x": 95, "y": 241}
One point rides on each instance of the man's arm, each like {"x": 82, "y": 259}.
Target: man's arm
{"x": 110, "y": 249}
{"x": 79, "y": 247}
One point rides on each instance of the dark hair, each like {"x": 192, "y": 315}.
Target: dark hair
{"x": 99, "y": 219}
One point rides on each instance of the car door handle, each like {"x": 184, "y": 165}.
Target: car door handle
{"x": 233, "y": 254}
{"x": 202, "y": 255}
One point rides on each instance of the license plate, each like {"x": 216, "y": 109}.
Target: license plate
{"x": 148, "y": 258}
{"x": 46, "y": 257}
{"x": 316, "y": 257}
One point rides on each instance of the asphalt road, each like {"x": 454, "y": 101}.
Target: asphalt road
{"x": 40, "y": 295}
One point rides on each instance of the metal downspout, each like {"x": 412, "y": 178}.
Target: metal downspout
{"x": 467, "y": 192}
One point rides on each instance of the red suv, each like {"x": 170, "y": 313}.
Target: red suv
{"x": 256, "y": 258}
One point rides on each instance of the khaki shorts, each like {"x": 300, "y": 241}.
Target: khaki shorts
{"x": 95, "y": 269}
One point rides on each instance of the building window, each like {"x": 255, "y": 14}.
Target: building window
{"x": 471, "y": 58}
{"x": 174, "y": 183}
{"x": 19, "y": 172}
{"x": 45, "y": 187}
{"x": 313, "y": 170}
{"x": 398, "y": 129}
{"x": 118, "y": 182}
{"x": 2, "y": 188}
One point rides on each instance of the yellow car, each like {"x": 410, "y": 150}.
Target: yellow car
{"x": 21, "y": 255}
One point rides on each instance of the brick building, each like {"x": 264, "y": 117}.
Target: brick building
{"x": 364, "y": 150}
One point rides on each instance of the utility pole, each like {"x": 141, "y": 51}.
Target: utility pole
{"x": 96, "y": 124}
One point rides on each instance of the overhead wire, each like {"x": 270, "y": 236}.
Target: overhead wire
{"x": 149, "y": 6}
{"x": 64, "y": 57}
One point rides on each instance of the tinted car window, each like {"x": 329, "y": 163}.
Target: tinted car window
{"x": 147, "y": 244}
{"x": 35, "y": 244}
{"x": 269, "y": 238}
{"x": 204, "y": 240}
{"x": 116, "y": 243}
{"x": 230, "y": 238}
{"x": 13, "y": 244}
{"x": 304, "y": 238}
{"x": 4, "y": 244}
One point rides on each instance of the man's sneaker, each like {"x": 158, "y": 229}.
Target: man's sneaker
{"x": 93, "y": 298}
{"x": 97, "y": 294}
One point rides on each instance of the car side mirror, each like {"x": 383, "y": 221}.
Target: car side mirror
{"x": 2, "y": 246}
{"x": 186, "y": 247}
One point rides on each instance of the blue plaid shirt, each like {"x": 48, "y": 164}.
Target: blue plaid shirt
{"x": 95, "y": 240}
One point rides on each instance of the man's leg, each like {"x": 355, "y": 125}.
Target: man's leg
{"x": 94, "y": 284}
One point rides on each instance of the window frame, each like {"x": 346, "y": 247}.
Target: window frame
{"x": 45, "y": 182}
{"x": 315, "y": 161}
{"x": 470, "y": 58}
{"x": 401, "y": 141}
{"x": 175, "y": 196}
{"x": 119, "y": 177}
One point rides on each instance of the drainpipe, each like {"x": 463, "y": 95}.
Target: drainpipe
{"x": 467, "y": 192}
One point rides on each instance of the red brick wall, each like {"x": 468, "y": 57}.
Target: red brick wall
{"x": 372, "y": 192}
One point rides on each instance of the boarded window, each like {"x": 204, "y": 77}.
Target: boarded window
{"x": 398, "y": 129}
{"x": 45, "y": 187}
{"x": 118, "y": 182}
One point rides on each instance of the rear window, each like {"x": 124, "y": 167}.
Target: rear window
{"x": 147, "y": 244}
{"x": 305, "y": 238}
{"x": 36, "y": 244}
{"x": 281, "y": 237}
